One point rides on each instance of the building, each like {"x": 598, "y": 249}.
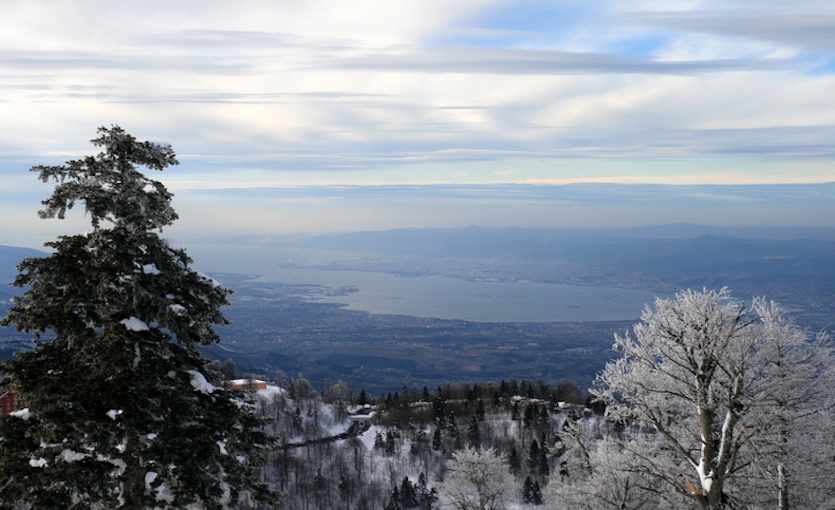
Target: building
{"x": 246, "y": 384}
{"x": 9, "y": 403}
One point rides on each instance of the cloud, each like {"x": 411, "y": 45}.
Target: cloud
{"x": 345, "y": 208}
{"x": 805, "y": 32}
{"x": 527, "y": 62}
{"x": 261, "y": 93}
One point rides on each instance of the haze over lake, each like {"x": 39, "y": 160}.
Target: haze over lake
{"x": 455, "y": 299}
{"x": 435, "y": 297}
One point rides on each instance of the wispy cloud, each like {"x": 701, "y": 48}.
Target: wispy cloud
{"x": 261, "y": 93}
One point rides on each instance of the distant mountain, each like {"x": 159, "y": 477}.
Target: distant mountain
{"x": 10, "y": 257}
{"x": 678, "y": 247}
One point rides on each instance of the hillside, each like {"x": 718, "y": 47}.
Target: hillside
{"x": 338, "y": 453}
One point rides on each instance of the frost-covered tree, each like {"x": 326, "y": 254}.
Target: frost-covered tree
{"x": 794, "y": 461}
{"x": 724, "y": 388}
{"x": 123, "y": 411}
{"x": 598, "y": 474}
{"x": 477, "y": 480}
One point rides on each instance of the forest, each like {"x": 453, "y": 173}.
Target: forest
{"x": 398, "y": 451}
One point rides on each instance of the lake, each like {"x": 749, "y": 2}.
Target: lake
{"x": 442, "y": 298}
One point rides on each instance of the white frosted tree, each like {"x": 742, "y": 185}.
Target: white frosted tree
{"x": 793, "y": 450}
{"x": 596, "y": 473}
{"x": 123, "y": 411}
{"x": 725, "y": 389}
{"x": 477, "y": 480}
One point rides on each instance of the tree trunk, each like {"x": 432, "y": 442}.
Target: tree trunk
{"x": 783, "y": 487}
{"x": 133, "y": 487}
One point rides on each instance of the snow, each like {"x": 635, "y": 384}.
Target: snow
{"x": 163, "y": 494}
{"x": 177, "y": 309}
{"x": 23, "y": 414}
{"x": 270, "y": 391}
{"x": 134, "y": 324}
{"x": 211, "y": 280}
{"x": 199, "y": 382}
{"x": 72, "y": 456}
{"x": 162, "y": 146}
{"x": 38, "y": 463}
{"x": 368, "y": 436}
{"x": 113, "y": 413}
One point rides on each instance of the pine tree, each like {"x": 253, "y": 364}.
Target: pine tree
{"x": 473, "y": 433}
{"x": 527, "y": 490}
{"x": 123, "y": 410}
{"x": 480, "y": 411}
{"x": 390, "y": 444}
{"x": 437, "y": 440}
{"x": 534, "y": 456}
{"x": 544, "y": 466}
{"x": 536, "y": 494}
{"x": 408, "y": 494}
{"x": 514, "y": 464}
{"x": 394, "y": 500}
{"x": 438, "y": 410}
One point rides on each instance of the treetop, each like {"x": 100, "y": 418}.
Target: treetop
{"x": 110, "y": 185}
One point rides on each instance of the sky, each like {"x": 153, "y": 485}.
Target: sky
{"x": 319, "y": 115}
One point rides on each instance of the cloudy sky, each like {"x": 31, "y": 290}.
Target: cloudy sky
{"x": 296, "y": 115}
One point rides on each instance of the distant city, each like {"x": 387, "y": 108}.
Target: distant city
{"x": 311, "y": 304}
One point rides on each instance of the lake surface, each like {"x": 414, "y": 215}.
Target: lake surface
{"x": 441, "y": 298}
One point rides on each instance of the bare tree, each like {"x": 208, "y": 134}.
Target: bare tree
{"x": 595, "y": 472}
{"x": 477, "y": 480}
{"x": 716, "y": 380}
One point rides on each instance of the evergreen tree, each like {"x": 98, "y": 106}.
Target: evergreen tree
{"x": 473, "y": 433}
{"x": 513, "y": 461}
{"x": 527, "y": 420}
{"x": 123, "y": 410}
{"x": 480, "y": 411}
{"x": 421, "y": 488}
{"x": 408, "y": 494}
{"x": 543, "y": 466}
{"x": 536, "y": 494}
{"x": 527, "y": 490}
{"x": 534, "y": 456}
{"x": 394, "y": 500}
{"x": 438, "y": 410}
{"x": 390, "y": 443}
{"x": 437, "y": 440}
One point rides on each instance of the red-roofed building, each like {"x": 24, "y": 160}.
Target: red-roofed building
{"x": 9, "y": 403}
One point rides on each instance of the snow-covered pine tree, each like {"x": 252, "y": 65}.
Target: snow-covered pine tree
{"x": 123, "y": 410}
